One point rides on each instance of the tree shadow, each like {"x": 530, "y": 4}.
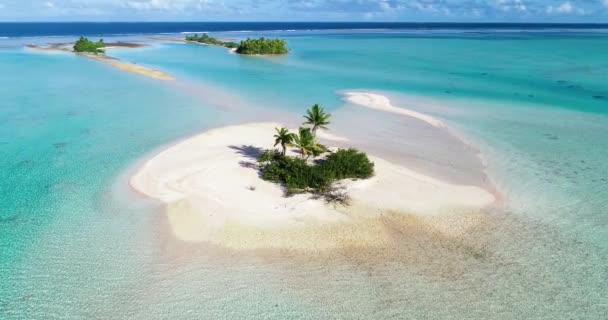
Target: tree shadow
{"x": 249, "y": 152}
{"x": 249, "y": 165}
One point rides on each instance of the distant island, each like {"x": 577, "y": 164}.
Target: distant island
{"x": 263, "y": 46}
{"x": 84, "y": 45}
{"x": 260, "y": 46}
{"x": 97, "y": 51}
{"x": 206, "y": 39}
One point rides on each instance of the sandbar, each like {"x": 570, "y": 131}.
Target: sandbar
{"x": 130, "y": 67}
{"x": 114, "y": 62}
{"x": 212, "y": 193}
{"x": 380, "y": 102}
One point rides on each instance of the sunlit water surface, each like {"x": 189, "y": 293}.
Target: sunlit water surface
{"x": 77, "y": 243}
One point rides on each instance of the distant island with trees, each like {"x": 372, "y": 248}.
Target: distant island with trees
{"x": 84, "y": 45}
{"x": 98, "y": 51}
{"x": 206, "y": 39}
{"x": 260, "y": 46}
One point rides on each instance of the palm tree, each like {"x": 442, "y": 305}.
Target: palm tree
{"x": 284, "y": 138}
{"x": 317, "y": 117}
{"x": 305, "y": 142}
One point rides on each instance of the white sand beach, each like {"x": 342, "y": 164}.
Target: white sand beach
{"x": 213, "y": 193}
{"x": 380, "y": 102}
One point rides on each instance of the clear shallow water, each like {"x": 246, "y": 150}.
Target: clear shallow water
{"x": 524, "y": 100}
{"x": 74, "y": 245}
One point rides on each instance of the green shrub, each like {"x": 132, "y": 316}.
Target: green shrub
{"x": 294, "y": 173}
{"x": 85, "y": 45}
{"x": 348, "y": 163}
{"x": 205, "y": 38}
{"x": 263, "y": 46}
{"x": 231, "y": 45}
{"x": 320, "y": 179}
{"x": 268, "y": 156}
{"x": 299, "y": 176}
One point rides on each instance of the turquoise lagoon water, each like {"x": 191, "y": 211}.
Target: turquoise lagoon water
{"x": 76, "y": 243}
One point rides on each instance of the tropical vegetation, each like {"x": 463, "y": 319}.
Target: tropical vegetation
{"x": 85, "y": 45}
{"x": 317, "y": 117}
{"x": 305, "y": 142}
{"x": 298, "y": 174}
{"x": 206, "y": 39}
{"x": 283, "y": 138}
{"x": 249, "y": 46}
{"x": 263, "y": 46}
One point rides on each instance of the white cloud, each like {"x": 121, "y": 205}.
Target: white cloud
{"x": 564, "y": 8}
{"x": 385, "y": 5}
{"x": 149, "y": 4}
{"x": 322, "y": 10}
{"x": 167, "y": 5}
{"x": 512, "y": 5}
{"x": 568, "y": 8}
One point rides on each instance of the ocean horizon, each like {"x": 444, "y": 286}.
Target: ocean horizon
{"x": 50, "y": 29}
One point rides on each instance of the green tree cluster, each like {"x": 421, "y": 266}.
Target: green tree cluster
{"x": 206, "y": 39}
{"x": 85, "y": 45}
{"x": 249, "y": 46}
{"x": 263, "y": 46}
{"x": 305, "y": 141}
{"x": 296, "y": 173}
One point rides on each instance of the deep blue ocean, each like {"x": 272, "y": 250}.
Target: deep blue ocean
{"x": 33, "y": 29}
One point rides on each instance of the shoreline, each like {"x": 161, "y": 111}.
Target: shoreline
{"x": 379, "y": 101}
{"x": 211, "y": 194}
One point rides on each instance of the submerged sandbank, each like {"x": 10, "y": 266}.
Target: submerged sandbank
{"x": 213, "y": 193}
{"x": 129, "y": 67}
{"x": 380, "y": 102}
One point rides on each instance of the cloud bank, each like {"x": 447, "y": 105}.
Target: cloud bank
{"x": 306, "y": 10}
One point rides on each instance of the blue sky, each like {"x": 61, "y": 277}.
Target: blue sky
{"x": 306, "y": 10}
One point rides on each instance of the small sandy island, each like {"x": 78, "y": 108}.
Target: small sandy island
{"x": 114, "y": 62}
{"x": 213, "y": 193}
